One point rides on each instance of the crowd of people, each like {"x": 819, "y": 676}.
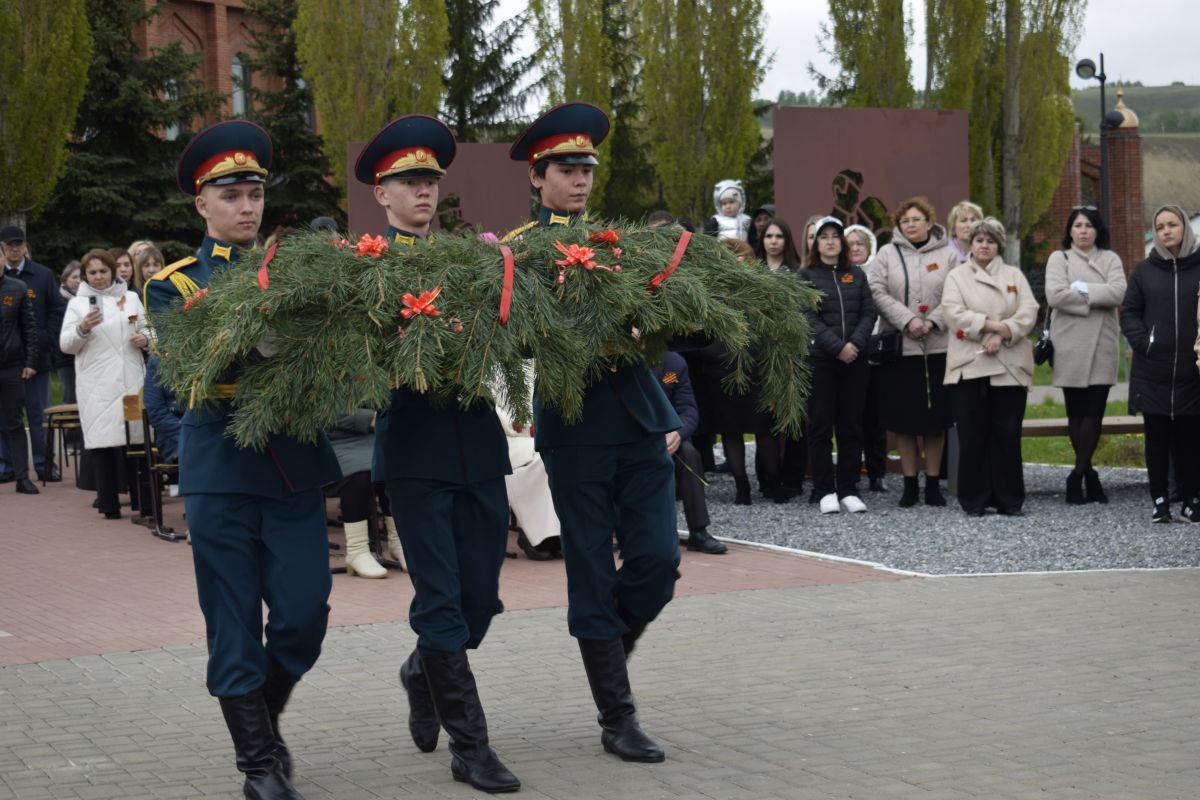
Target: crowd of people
{"x": 931, "y": 331}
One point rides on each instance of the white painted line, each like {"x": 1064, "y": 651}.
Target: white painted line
{"x": 909, "y": 573}
{"x": 4, "y": 634}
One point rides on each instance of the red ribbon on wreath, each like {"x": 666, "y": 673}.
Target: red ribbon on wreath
{"x": 657, "y": 280}
{"x": 263, "y": 280}
{"x": 507, "y": 289}
{"x": 420, "y": 305}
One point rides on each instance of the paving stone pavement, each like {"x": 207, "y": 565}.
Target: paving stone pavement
{"x": 1055, "y": 686}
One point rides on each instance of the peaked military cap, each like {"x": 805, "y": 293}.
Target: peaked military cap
{"x": 412, "y": 146}
{"x": 233, "y": 151}
{"x": 568, "y": 133}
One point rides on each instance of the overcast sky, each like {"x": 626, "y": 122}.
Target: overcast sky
{"x": 1152, "y": 41}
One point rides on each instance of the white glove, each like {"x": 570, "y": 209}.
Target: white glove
{"x": 1081, "y": 287}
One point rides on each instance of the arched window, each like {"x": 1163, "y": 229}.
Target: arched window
{"x": 241, "y": 82}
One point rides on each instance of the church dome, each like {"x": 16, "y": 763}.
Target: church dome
{"x": 1131, "y": 119}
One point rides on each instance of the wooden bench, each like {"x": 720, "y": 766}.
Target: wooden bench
{"x": 1058, "y": 427}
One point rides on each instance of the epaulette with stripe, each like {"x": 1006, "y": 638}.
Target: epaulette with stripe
{"x": 515, "y": 232}
{"x": 182, "y": 283}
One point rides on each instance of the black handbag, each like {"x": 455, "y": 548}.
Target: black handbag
{"x": 885, "y": 348}
{"x": 1043, "y": 348}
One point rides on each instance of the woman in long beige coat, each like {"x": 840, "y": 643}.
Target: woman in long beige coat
{"x": 906, "y": 285}
{"x": 990, "y": 310}
{"x": 1085, "y": 284}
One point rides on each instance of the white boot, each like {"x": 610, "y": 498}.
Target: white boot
{"x": 359, "y": 560}
{"x": 395, "y": 549}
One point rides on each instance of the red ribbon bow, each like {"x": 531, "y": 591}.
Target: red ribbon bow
{"x": 610, "y": 236}
{"x": 373, "y": 246}
{"x": 576, "y": 255}
{"x": 420, "y": 305}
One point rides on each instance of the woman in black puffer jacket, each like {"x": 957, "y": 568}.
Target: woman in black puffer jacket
{"x": 840, "y": 324}
{"x": 1158, "y": 318}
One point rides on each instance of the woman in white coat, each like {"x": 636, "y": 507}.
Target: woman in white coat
{"x": 1085, "y": 284}
{"x": 105, "y": 329}
{"x": 989, "y": 310}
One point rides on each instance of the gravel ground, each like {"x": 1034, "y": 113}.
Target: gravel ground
{"x": 944, "y": 541}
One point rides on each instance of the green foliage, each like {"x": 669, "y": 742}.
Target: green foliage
{"x": 484, "y": 91}
{"x": 954, "y": 57}
{"x": 347, "y": 50}
{"x": 576, "y": 58}
{"x": 701, "y": 124}
{"x": 575, "y": 326}
{"x": 423, "y": 44}
{"x": 118, "y": 184}
{"x": 45, "y": 48}
{"x": 630, "y": 188}
{"x": 868, "y": 42}
{"x": 300, "y": 189}
{"x": 1047, "y": 123}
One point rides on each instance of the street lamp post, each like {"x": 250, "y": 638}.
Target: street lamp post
{"x": 1086, "y": 69}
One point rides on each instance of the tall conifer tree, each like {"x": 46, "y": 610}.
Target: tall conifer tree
{"x": 485, "y": 91}
{"x": 119, "y": 183}
{"x": 45, "y": 49}
{"x": 281, "y": 101}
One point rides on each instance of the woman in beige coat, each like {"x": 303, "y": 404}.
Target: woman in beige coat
{"x": 990, "y": 309}
{"x": 1085, "y": 284}
{"x": 906, "y": 285}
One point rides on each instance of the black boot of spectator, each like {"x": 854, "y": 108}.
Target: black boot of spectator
{"x": 700, "y": 540}
{"x": 1094, "y": 491}
{"x": 912, "y": 492}
{"x": 743, "y": 491}
{"x": 1075, "y": 496}
{"x": 933, "y": 491}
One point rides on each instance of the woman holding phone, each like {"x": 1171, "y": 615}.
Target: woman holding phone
{"x": 105, "y": 329}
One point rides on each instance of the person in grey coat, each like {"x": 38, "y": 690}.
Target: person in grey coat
{"x": 1085, "y": 283}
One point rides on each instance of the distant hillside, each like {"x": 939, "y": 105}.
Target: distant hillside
{"x": 1171, "y": 171}
{"x": 1146, "y": 101}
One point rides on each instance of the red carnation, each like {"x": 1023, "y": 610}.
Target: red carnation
{"x": 610, "y": 236}
{"x": 958, "y": 334}
{"x": 923, "y": 309}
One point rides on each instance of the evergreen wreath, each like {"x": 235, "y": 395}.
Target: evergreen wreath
{"x": 345, "y": 323}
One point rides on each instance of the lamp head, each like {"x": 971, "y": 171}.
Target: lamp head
{"x": 1086, "y": 69}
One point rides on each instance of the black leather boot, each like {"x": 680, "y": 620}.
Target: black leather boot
{"x": 249, "y": 723}
{"x": 276, "y": 691}
{"x": 422, "y": 715}
{"x": 456, "y": 699}
{"x": 604, "y": 661}
{"x": 742, "y": 498}
{"x": 933, "y": 491}
{"x": 700, "y": 540}
{"x": 636, "y": 628}
{"x": 1075, "y": 496}
{"x": 912, "y": 492}
{"x": 1093, "y": 490}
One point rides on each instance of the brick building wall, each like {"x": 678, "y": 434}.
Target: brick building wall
{"x": 214, "y": 28}
{"x": 1126, "y": 224}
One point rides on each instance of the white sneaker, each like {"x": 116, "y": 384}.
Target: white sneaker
{"x": 853, "y": 504}
{"x": 829, "y": 504}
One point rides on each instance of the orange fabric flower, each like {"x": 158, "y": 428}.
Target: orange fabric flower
{"x": 848, "y": 277}
{"x": 610, "y": 236}
{"x": 932, "y": 267}
{"x": 420, "y": 305}
{"x": 576, "y": 255}
{"x": 373, "y": 246}
{"x": 195, "y": 298}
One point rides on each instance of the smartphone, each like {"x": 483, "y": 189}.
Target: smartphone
{"x": 94, "y": 302}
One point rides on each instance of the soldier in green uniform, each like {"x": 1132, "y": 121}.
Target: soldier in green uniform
{"x": 610, "y": 471}
{"x": 448, "y": 499}
{"x": 256, "y": 517}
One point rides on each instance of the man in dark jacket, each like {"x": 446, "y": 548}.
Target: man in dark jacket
{"x": 18, "y": 365}
{"x": 672, "y": 375}
{"x": 48, "y": 308}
